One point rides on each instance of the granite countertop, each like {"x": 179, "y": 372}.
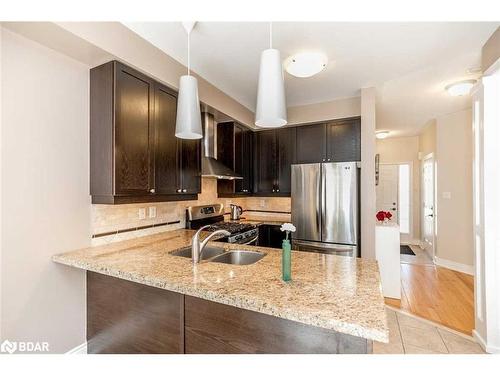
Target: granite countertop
{"x": 327, "y": 291}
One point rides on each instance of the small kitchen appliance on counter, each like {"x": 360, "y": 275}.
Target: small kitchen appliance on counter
{"x": 236, "y": 212}
{"x": 213, "y": 214}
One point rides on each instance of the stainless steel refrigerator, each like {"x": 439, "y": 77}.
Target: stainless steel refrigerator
{"x": 325, "y": 207}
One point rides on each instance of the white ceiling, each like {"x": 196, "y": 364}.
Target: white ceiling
{"x": 409, "y": 63}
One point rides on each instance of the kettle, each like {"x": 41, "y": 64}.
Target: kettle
{"x": 236, "y": 212}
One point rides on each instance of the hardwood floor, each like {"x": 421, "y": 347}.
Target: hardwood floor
{"x": 437, "y": 294}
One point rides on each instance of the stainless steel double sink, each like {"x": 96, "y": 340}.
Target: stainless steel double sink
{"x": 219, "y": 255}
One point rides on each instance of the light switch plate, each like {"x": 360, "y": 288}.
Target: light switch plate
{"x": 142, "y": 213}
{"x": 152, "y": 212}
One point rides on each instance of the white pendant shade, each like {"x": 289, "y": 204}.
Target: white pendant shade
{"x": 271, "y": 104}
{"x": 188, "y": 122}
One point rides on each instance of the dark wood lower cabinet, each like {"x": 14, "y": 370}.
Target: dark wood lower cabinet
{"x": 124, "y": 317}
{"x": 127, "y": 317}
{"x": 216, "y": 328}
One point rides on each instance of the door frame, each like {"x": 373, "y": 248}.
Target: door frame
{"x": 422, "y": 212}
{"x": 410, "y": 235}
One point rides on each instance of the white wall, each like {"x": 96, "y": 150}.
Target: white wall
{"x": 487, "y": 209}
{"x": 454, "y": 188}
{"x": 45, "y": 199}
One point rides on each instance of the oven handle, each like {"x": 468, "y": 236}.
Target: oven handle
{"x": 251, "y": 241}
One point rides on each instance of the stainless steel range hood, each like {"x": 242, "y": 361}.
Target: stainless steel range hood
{"x": 210, "y": 166}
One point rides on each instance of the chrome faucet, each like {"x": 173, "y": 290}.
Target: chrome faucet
{"x": 197, "y": 246}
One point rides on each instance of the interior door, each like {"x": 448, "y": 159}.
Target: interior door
{"x": 428, "y": 205}
{"x": 387, "y": 190}
{"x": 339, "y": 215}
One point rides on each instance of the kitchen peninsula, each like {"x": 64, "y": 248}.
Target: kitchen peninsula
{"x": 143, "y": 299}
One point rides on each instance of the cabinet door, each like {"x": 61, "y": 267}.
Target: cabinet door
{"x": 286, "y": 157}
{"x": 265, "y": 166}
{"x": 243, "y": 156}
{"x": 133, "y": 132}
{"x": 311, "y": 143}
{"x": 167, "y": 162}
{"x": 344, "y": 140}
{"x": 191, "y": 166}
{"x": 270, "y": 236}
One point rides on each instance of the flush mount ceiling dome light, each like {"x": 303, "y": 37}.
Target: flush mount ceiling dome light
{"x": 188, "y": 121}
{"x": 460, "y": 88}
{"x": 382, "y": 134}
{"x": 306, "y": 64}
{"x": 271, "y": 104}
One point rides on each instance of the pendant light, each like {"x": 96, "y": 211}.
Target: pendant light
{"x": 188, "y": 122}
{"x": 271, "y": 104}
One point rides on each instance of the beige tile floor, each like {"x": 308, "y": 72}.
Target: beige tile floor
{"x": 420, "y": 257}
{"x": 412, "y": 335}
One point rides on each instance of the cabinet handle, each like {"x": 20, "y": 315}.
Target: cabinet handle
{"x": 328, "y": 159}
{"x": 151, "y": 190}
{"x": 184, "y": 190}
{"x": 179, "y": 190}
{"x": 277, "y": 190}
{"x": 324, "y": 159}
{"x": 273, "y": 191}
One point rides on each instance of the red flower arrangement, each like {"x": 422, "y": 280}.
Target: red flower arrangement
{"x": 383, "y": 215}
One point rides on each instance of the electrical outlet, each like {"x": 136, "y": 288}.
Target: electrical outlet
{"x": 152, "y": 212}
{"x": 446, "y": 195}
{"x": 142, "y": 213}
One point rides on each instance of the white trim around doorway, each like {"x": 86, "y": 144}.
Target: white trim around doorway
{"x": 434, "y": 245}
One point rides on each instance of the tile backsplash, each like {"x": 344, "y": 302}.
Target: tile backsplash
{"x": 118, "y": 222}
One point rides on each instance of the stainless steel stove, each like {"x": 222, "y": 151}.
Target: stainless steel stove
{"x": 213, "y": 215}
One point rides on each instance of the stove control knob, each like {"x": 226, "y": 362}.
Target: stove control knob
{"x": 239, "y": 237}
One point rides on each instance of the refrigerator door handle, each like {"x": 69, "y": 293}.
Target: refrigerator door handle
{"x": 322, "y": 202}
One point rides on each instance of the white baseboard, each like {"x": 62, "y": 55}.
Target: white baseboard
{"x": 486, "y": 348}
{"x": 80, "y": 349}
{"x": 460, "y": 267}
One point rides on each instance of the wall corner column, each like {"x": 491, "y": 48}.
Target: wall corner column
{"x": 368, "y": 147}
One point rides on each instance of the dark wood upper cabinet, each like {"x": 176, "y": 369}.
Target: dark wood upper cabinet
{"x": 234, "y": 149}
{"x": 190, "y": 166}
{"x": 243, "y": 159}
{"x": 335, "y": 141}
{"x": 311, "y": 144}
{"x": 133, "y": 128}
{"x": 286, "y": 157}
{"x": 274, "y": 155}
{"x": 344, "y": 140}
{"x": 134, "y": 154}
{"x": 266, "y": 150}
{"x": 167, "y": 161}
